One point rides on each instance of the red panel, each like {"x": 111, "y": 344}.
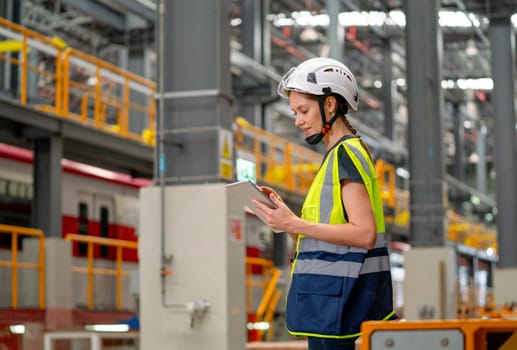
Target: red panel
{"x": 127, "y": 233}
{"x": 254, "y": 252}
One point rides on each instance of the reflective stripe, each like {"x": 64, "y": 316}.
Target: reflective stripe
{"x": 312, "y": 244}
{"x": 359, "y": 156}
{"x": 343, "y": 268}
{"x": 375, "y": 264}
{"x": 320, "y": 267}
{"x": 326, "y": 198}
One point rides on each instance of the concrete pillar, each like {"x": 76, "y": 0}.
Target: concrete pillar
{"x": 431, "y": 296}
{"x": 59, "y": 291}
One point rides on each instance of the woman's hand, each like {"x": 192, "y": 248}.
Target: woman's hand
{"x": 280, "y": 218}
{"x": 268, "y": 191}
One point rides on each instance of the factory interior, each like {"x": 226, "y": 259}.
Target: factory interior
{"x": 123, "y": 121}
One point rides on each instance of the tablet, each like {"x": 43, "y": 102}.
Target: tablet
{"x": 245, "y": 192}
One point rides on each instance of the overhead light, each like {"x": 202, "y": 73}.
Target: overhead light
{"x": 402, "y": 173}
{"x": 309, "y": 34}
{"x": 471, "y": 49}
{"x": 17, "y": 329}
{"x": 107, "y": 327}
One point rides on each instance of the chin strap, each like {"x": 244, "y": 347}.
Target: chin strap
{"x": 316, "y": 138}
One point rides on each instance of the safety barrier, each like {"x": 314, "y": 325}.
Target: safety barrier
{"x": 288, "y": 166}
{"x": 91, "y": 271}
{"x": 15, "y": 265}
{"x": 71, "y": 84}
{"x": 112, "y": 90}
{"x": 20, "y": 47}
{"x": 270, "y": 298}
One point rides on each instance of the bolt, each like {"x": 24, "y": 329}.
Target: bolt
{"x": 444, "y": 342}
{"x": 389, "y": 343}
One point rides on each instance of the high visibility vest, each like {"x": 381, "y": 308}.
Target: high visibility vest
{"x": 334, "y": 287}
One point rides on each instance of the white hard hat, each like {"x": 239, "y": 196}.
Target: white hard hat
{"x": 316, "y": 75}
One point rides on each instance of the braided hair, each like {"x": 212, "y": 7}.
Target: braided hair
{"x": 343, "y": 110}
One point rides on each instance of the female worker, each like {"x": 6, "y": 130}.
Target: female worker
{"x": 341, "y": 272}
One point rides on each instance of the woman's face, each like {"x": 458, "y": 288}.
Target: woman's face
{"x": 306, "y": 112}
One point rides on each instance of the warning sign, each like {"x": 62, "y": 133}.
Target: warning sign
{"x": 226, "y": 149}
{"x": 225, "y": 154}
{"x": 235, "y": 230}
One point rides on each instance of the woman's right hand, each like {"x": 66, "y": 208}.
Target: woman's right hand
{"x": 268, "y": 191}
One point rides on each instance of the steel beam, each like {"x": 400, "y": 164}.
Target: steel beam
{"x": 100, "y": 12}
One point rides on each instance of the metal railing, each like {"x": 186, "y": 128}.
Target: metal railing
{"x": 286, "y": 165}
{"x": 26, "y": 44}
{"x": 271, "y": 294}
{"x": 112, "y": 91}
{"x": 92, "y": 271}
{"x": 72, "y": 84}
{"x": 15, "y": 232}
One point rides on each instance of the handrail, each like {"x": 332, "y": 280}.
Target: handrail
{"x": 91, "y": 270}
{"x": 106, "y": 75}
{"x": 30, "y": 39}
{"x": 286, "y": 165}
{"x": 57, "y": 93}
{"x": 14, "y": 264}
{"x": 271, "y": 296}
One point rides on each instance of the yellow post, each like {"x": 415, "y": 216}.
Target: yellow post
{"x": 124, "y": 123}
{"x": 84, "y": 107}
{"x": 66, "y": 83}
{"x": 58, "y": 79}
{"x": 41, "y": 269}
{"x": 14, "y": 269}
{"x": 152, "y": 113}
{"x": 97, "y": 108}
{"x": 119, "y": 277}
{"x": 23, "y": 87}
{"x": 90, "y": 275}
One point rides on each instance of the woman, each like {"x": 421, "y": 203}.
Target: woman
{"x": 341, "y": 272}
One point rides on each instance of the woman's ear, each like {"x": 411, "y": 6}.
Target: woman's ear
{"x": 331, "y": 104}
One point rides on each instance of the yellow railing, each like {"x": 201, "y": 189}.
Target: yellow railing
{"x": 32, "y": 43}
{"x": 288, "y": 166}
{"x": 268, "y": 284}
{"x": 14, "y": 264}
{"x": 91, "y": 271}
{"x": 112, "y": 91}
{"x": 386, "y": 179}
{"x": 68, "y": 80}
{"x": 471, "y": 234}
